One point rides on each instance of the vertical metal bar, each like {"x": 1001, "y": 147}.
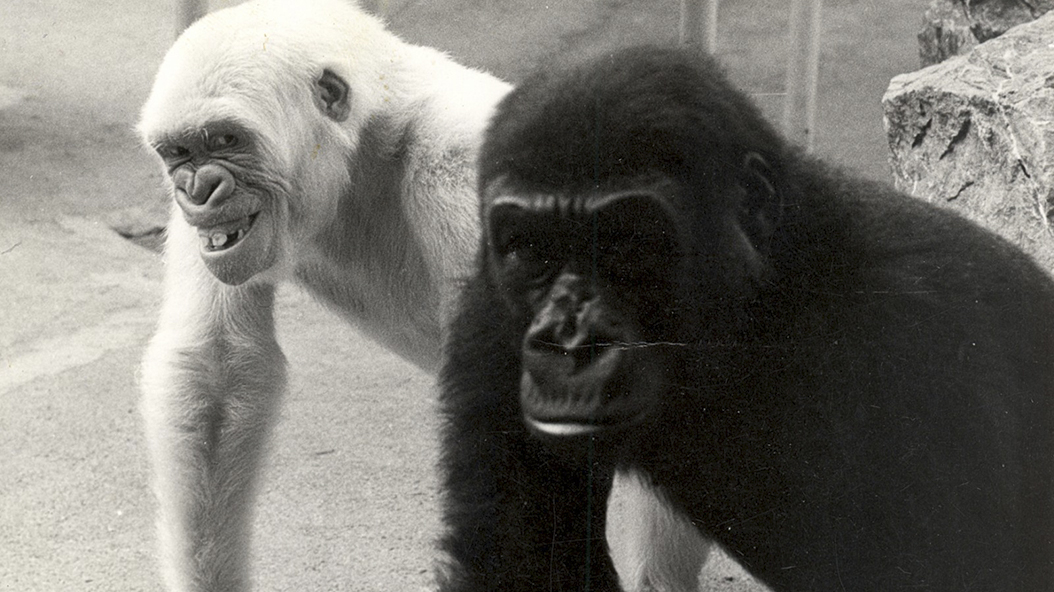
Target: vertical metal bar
{"x": 803, "y": 72}
{"x": 188, "y": 11}
{"x": 699, "y": 24}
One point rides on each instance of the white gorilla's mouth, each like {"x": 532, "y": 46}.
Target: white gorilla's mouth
{"x": 224, "y": 236}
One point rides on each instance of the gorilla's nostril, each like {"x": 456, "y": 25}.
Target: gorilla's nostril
{"x": 210, "y": 184}
{"x": 199, "y": 193}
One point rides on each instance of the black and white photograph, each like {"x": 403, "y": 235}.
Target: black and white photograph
{"x": 527, "y": 296}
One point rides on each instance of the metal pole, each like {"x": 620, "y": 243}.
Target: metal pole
{"x": 803, "y": 72}
{"x": 188, "y": 11}
{"x": 699, "y": 24}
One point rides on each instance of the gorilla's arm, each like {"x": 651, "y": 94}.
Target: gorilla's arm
{"x": 536, "y": 503}
{"x": 211, "y": 378}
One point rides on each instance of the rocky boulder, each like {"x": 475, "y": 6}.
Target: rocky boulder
{"x": 976, "y": 133}
{"x": 953, "y": 27}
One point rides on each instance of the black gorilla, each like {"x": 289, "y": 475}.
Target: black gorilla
{"x": 847, "y": 388}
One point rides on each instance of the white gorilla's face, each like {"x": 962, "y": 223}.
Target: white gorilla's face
{"x": 242, "y": 171}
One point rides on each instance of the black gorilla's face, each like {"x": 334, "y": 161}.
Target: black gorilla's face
{"x": 590, "y": 277}
{"x": 617, "y": 231}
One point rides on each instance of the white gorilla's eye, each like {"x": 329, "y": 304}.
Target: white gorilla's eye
{"x": 173, "y": 151}
{"x": 224, "y": 141}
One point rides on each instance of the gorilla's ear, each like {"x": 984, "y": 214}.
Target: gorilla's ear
{"x": 331, "y": 95}
{"x": 762, "y": 205}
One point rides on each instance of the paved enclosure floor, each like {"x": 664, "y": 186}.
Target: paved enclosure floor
{"x": 349, "y": 498}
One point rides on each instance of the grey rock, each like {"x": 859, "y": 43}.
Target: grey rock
{"x": 953, "y": 27}
{"x": 976, "y": 133}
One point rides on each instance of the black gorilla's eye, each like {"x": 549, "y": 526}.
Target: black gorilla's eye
{"x": 508, "y": 242}
{"x": 525, "y": 256}
{"x": 524, "y": 245}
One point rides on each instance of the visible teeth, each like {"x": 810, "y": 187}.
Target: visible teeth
{"x": 217, "y": 240}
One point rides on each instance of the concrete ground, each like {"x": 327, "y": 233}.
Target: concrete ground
{"x": 349, "y": 498}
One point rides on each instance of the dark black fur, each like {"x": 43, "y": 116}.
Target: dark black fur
{"x": 869, "y": 409}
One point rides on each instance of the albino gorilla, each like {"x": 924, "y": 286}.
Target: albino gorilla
{"x": 304, "y": 142}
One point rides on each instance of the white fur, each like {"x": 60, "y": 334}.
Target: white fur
{"x": 213, "y": 373}
{"x": 654, "y": 547}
